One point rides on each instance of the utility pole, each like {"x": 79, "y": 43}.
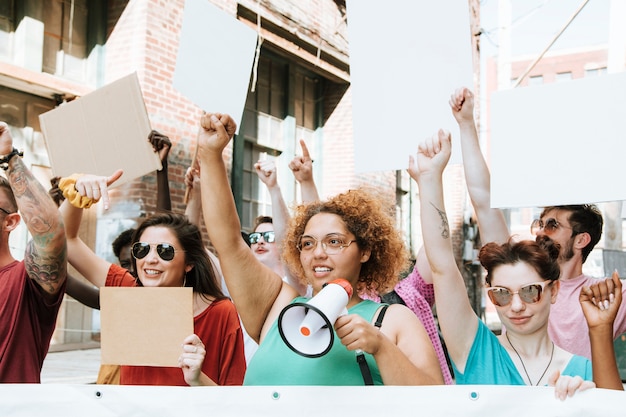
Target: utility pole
{"x": 616, "y": 63}
{"x": 472, "y": 271}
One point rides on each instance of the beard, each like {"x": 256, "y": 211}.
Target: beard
{"x": 566, "y": 251}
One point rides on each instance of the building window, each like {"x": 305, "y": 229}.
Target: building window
{"x": 563, "y": 76}
{"x": 282, "y": 109}
{"x": 595, "y": 72}
{"x": 65, "y": 38}
{"x": 535, "y": 80}
{"x": 7, "y": 24}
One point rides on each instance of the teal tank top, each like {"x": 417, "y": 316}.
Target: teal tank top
{"x": 274, "y": 363}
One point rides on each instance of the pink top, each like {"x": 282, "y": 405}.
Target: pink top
{"x": 420, "y": 297}
{"x": 567, "y": 326}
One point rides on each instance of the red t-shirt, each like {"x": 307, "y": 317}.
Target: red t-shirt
{"x": 219, "y": 329}
{"x": 27, "y": 321}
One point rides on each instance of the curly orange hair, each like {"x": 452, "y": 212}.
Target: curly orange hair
{"x": 371, "y": 220}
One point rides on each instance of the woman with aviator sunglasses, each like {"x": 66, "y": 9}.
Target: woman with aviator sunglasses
{"x": 523, "y": 282}
{"x": 168, "y": 251}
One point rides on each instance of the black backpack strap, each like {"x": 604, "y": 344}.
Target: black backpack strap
{"x": 360, "y": 357}
{"x": 381, "y": 316}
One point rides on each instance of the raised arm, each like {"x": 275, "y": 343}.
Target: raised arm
{"x": 193, "y": 210}
{"x": 86, "y": 262}
{"x": 491, "y": 221}
{"x": 162, "y": 145}
{"x": 456, "y": 318}
{"x": 45, "y": 257}
{"x": 253, "y": 287}
{"x": 302, "y": 168}
{"x": 267, "y": 173}
{"x": 600, "y": 303}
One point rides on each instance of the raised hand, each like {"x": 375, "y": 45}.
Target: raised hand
{"x": 266, "y": 171}
{"x": 601, "y": 301}
{"x": 6, "y": 140}
{"x": 462, "y": 105}
{"x": 432, "y": 155}
{"x": 217, "y": 130}
{"x": 160, "y": 143}
{"x": 96, "y": 186}
{"x": 302, "y": 166}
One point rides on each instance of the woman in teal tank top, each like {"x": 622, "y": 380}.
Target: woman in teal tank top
{"x": 351, "y": 236}
{"x": 522, "y": 279}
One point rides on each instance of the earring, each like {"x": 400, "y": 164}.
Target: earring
{"x": 185, "y": 280}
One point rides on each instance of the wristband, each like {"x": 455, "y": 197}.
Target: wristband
{"x": 68, "y": 186}
{"x": 4, "y": 161}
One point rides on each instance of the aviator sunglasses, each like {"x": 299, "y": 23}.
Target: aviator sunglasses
{"x": 165, "y": 251}
{"x": 531, "y": 293}
{"x": 268, "y": 237}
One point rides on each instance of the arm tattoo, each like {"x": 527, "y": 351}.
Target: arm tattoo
{"x": 46, "y": 254}
{"x": 48, "y": 271}
{"x": 445, "y": 227}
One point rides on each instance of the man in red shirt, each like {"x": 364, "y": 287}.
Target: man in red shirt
{"x": 31, "y": 290}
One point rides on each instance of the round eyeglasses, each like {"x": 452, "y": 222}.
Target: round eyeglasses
{"x": 331, "y": 244}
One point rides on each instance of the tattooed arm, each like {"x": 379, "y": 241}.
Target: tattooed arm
{"x": 456, "y": 318}
{"x": 46, "y": 255}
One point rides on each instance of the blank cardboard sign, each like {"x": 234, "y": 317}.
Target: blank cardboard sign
{"x": 144, "y": 326}
{"x": 102, "y": 132}
{"x": 406, "y": 59}
{"x": 215, "y": 57}
{"x": 560, "y": 143}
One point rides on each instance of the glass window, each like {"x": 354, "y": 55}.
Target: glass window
{"x": 563, "y": 76}
{"x": 595, "y": 72}
{"x": 268, "y": 129}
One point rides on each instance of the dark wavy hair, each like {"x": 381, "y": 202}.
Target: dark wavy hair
{"x": 202, "y": 276}
{"x": 370, "y": 218}
{"x": 583, "y": 218}
{"x": 541, "y": 255}
{"x": 123, "y": 239}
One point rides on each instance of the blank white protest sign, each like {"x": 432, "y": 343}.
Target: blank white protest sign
{"x": 561, "y": 143}
{"x": 215, "y": 58}
{"x": 406, "y": 59}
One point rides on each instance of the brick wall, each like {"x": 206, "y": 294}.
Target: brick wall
{"x": 143, "y": 37}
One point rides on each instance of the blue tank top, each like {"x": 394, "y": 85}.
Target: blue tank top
{"x": 274, "y": 363}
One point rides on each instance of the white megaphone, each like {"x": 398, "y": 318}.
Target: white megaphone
{"x": 307, "y": 328}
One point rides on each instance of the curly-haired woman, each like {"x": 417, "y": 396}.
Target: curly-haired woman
{"x": 351, "y": 236}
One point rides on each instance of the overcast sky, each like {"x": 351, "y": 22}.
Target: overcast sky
{"x": 536, "y": 22}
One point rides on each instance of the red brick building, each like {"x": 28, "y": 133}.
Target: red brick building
{"x": 56, "y": 50}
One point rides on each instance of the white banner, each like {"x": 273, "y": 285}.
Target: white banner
{"x": 461, "y": 400}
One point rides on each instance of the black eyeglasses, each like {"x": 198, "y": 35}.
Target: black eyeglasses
{"x": 4, "y": 211}
{"x": 268, "y": 237}
{"x": 549, "y": 226}
{"x": 165, "y": 251}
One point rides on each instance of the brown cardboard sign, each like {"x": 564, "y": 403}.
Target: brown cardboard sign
{"x": 144, "y": 326}
{"x": 102, "y": 132}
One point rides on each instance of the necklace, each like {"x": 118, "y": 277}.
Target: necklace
{"x": 523, "y": 366}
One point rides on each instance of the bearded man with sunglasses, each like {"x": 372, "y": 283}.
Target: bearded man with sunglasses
{"x": 576, "y": 228}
